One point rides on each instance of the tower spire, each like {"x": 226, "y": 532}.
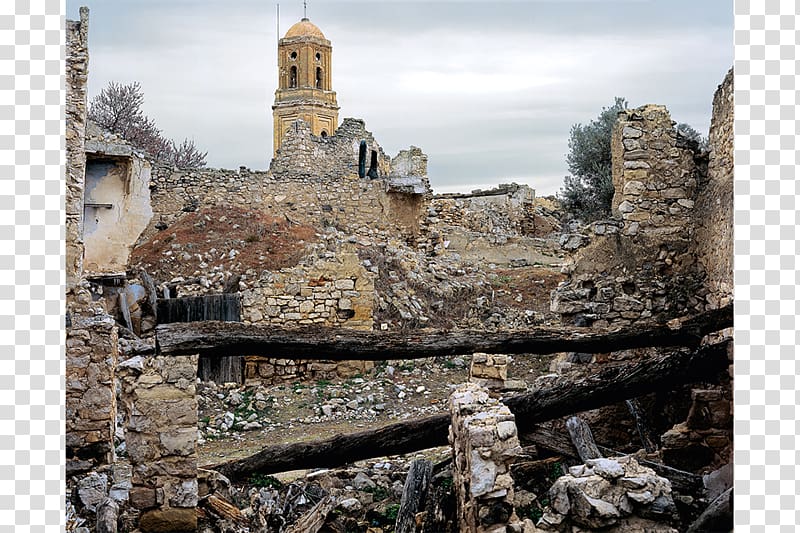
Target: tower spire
{"x": 304, "y": 10}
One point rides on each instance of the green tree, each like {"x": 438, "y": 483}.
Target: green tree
{"x": 588, "y": 191}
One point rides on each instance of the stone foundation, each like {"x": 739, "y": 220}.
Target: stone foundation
{"x": 484, "y": 440}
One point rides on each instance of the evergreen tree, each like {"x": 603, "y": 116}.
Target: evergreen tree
{"x": 588, "y": 192}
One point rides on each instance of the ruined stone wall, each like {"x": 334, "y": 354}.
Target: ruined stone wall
{"x": 305, "y": 155}
{"x": 333, "y": 292}
{"x": 713, "y": 244}
{"x": 91, "y": 352}
{"x": 503, "y": 211}
{"x": 640, "y": 264}
{"x": 654, "y": 173}
{"x": 76, "y": 91}
{"x": 484, "y": 439}
{"x": 668, "y": 251}
{"x": 312, "y": 180}
{"x": 158, "y": 394}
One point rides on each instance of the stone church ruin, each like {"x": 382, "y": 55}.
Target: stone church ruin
{"x": 337, "y": 277}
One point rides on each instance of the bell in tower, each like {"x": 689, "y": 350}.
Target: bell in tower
{"x": 304, "y": 83}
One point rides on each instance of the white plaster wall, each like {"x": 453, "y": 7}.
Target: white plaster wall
{"x": 109, "y": 234}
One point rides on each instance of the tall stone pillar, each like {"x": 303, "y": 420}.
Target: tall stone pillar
{"x": 158, "y": 394}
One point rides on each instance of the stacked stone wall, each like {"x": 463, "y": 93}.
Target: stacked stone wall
{"x": 654, "y": 173}
{"x": 506, "y": 211}
{"x": 641, "y": 264}
{"x": 349, "y": 204}
{"x": 76, "y": 93}
{"x": 484, "y": 440}
{"x": 713, "y": 244}
{"x": 333, "y": 292}
{"x": 161, "y": 439}
{"x": 303, "y": 154}
{"x": 91, "y": 410}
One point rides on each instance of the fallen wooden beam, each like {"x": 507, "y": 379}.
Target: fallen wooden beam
{"x": 610, "y": 385}
{"x": 214, "y": 338}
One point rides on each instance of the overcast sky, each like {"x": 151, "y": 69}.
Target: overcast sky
{"x": 488, "y": 90}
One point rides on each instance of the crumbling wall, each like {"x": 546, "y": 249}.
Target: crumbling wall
{"x": 303, "y": 154}
{"x": 494, "y": 226}
{"x": 76, "y": 94}
{"x": 335, "y": 292}
{"x": 484, "y": 439}
{"x": 654, "y": 173}
{"x": 496, "y": 213}
{"x": 91, "y": 410}
{"x": 116, "y": 201}
{"x": 158, "y": 394}
{"x": 640, "y": 264}
{"x": 713, "y": 243}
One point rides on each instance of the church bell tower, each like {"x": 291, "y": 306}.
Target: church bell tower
{"x": 304, "y": 83}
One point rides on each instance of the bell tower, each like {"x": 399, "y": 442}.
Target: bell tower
{"x": 304, "y": 83}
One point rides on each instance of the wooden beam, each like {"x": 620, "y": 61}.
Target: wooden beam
{"x": 340, "y": 344}
{"x": 609, "y": 385}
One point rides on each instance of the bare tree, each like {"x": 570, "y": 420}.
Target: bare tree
{"x": 186, "y": 155}
{"x": 118, "y": 108}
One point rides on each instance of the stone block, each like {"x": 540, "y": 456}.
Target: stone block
{"x": 168, "y": 520}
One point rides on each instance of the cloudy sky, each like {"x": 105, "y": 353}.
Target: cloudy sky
{"x": 488, "y": 90}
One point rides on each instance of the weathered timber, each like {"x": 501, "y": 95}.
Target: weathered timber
{"x": 553, "y": 441}
{"x": 642, "y": 427}
{"x": 440, "y": 510}
{"x": 415, "y": 492}
{"x": 314, "y": 519}
{"x": 224, "y": 508}
{"x": 214, "y": 338}
{"x": 582, "y": 438}
{"x": 610, "y": 385}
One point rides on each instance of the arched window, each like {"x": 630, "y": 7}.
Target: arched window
{"x": 323, "y": 133}
{"x": 293, "y": 77}
{"x": 319, "y": 78}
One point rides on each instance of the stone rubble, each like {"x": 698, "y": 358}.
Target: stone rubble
{"x": 616, "y": 495}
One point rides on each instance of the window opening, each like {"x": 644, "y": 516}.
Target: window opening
{"x": 362, "y": 159}
{"x": 293, "y": 77}
{"x": 319, "y": 78}
{"x": 373, "y": 165}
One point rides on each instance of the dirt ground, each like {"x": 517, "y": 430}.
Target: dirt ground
{"x": 399, "y": 390}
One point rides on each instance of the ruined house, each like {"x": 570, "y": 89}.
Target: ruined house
{"x": 669, "y": 198}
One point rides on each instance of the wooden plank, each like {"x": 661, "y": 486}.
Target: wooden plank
{"x": 415, "y": 492}
{"x": 213, "y": 338}
{"x": 582, "y": 439}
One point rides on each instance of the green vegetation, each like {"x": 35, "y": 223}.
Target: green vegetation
{"x": 588, "y": 191}
{"x": 391, "y": 512}
{"x": 378, "y": 493}
{"x": 262, "y": 480}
